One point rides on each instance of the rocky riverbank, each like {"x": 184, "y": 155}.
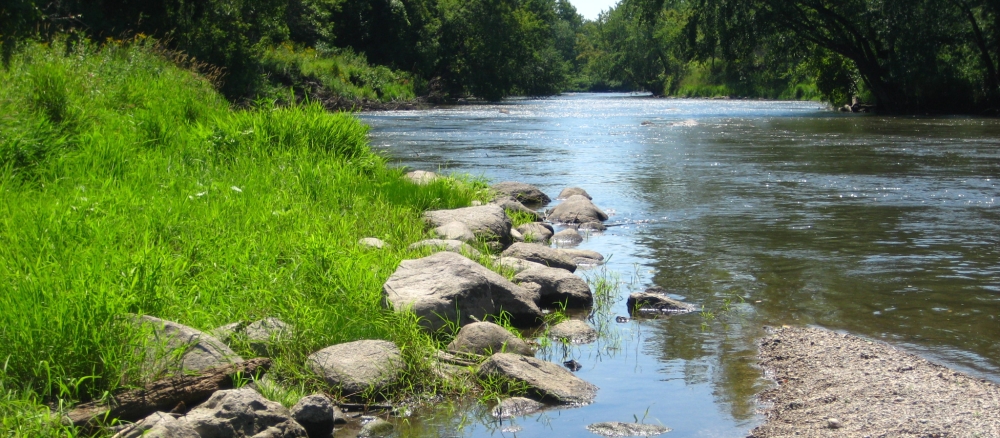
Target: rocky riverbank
{"x": 836, "y": 385}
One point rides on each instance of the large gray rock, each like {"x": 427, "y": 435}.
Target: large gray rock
{"x": 487, "y": 222}
{"x": 511, "y": 204}
{"x": 573, "y": 331}
{"x": 619, "y": 429}
{"x": 522, "y": 192}
{"x": 576, "y": 210}
{"x": 654, "y": 300}
{"x": 421, "y": 177}
{"x": 536, "y": 231}
{"x": 455, "y": 231}
{"x": 516, "y": 407}
{"x": 487, "y": 338}
{"x": 455, "y": 246}
{"x": 242, "y": 413}
{"x": 448, "y": 287}
{"x": 317, "y": 414}
{"x": 568, "y": 236}
{"x": 176, "y": 347}
{"x": 159, "y": 425}
{"x": 534, "y": 252}
{"x": 358, "y": 366}
{"x": 571, "y": 191}
{"x": 546, "y": 380}
{"x": 518, "y": 265}
{"x": 557, "y": 286}
{"x": 376, "y": 428}
{"x": 583, "y": 257}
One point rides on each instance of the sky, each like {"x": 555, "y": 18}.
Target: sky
{"x": 590, "y": 8}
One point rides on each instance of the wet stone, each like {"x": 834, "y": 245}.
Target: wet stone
{"x": 619, "y": 429}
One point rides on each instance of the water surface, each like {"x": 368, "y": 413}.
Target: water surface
{"x": 762, "y": 213}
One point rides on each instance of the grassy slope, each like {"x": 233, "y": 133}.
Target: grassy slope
{"x": 128, "y": 185}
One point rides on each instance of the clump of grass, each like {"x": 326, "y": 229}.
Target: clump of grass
{"x": 130, "y": 187}
{"x": 519, "y": 218}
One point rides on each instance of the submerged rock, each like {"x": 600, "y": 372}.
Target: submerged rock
{"x": 448, "y": 287}
{"x": 522, "y": 192}
{"x": 487, "y": 338}
{"x": 574, "y": 331}
{"x": 583, "y": 257}
{"x": 376, "y": 428}
{"x": 568, "y": 236}
{"x": 655, "y": 300}
{"x": 541, "y": 254}
{"x": 619, "y": 429}
{"x": 593, "y": 226}
{"x": 546, "y": 380}
{"x": 357, "y": 366}
{"x": 516, "y": 407}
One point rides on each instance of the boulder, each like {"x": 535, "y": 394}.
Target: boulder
{"x": 518, "y": 265}
{"x": 455, "y": 246}
{"x": 557, "y": 286}
{"x": 619, "y": 429}
{"x": 511, "y": 204}
{"x": 487, "y": 222}
{"x": 544, "y": 255}
{"x": 358, "y": 366}
{"x": 536, "y": 231}
{"x": 583, "y": 257}
{"x": 376, "y": 428}
{"x": 568, "y": 236}
{"x": 516, "y": 407}
{"x": 546, "y": 380}
{"x": 372, "y": 242}
{"x": 655, "y": 300}
{"x": 242, "y": 412}
{"x": 522, "y": 192}
{"x": 573, "y": 331}
{"x": 265, "y": 333}
{"x": 448, "y": 287}
{"x": 317, "y": 414}
{"x": 159, "y": 425}
{"x": 576, "y": 210}
{"x": 573, "y": 191}
{"x": 486, "y": 338}
{"x": 421, "y": 177}
{"x": 198, "y": 350}
{"x": 455, "y": 231}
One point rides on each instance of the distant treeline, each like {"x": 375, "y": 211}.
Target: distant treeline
{"x": 906, "y": 56}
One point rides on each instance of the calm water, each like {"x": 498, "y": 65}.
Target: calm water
{"x": 764, "y": 213}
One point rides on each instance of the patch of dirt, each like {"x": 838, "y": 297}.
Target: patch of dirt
{"x": 835, "y": 385}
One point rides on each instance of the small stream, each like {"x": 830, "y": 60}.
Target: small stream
{"x": 761, "y": 213}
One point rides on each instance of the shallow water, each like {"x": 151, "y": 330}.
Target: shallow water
{"x": 763, "y": 213}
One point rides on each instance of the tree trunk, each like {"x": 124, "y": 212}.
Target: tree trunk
{"x": 165, "y": 394}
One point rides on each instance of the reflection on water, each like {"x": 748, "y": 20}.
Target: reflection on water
{"x": 764, "y": 213}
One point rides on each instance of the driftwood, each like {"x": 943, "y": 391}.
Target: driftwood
{"x": 167, "y": 395}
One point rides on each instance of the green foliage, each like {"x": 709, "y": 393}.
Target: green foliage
{"x": 159, "y": 199}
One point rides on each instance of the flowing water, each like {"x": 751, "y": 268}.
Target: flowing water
{"x": 761, "y": 213}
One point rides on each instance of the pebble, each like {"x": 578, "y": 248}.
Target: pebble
{"x": 833, "y": 423}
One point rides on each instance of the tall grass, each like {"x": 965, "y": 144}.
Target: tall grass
{"x": 127, "y": 185}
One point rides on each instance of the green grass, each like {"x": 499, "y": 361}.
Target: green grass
{"x": 335, "y": 74}
{"x": 128, "y": 185}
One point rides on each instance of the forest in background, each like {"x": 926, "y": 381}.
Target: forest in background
{"x": 905, "y": 56}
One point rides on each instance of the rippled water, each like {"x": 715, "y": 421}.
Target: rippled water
{"x": 763, "y": 213}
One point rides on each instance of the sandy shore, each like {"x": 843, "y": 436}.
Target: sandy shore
{"x": 836, "y": 385}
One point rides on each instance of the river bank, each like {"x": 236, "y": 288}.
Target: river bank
{"x": 834, "y": 384}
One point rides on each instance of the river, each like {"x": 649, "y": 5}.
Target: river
{"x": 760, "y": 213}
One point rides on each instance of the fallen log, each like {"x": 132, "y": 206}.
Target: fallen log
{"x": 165, "y": 395}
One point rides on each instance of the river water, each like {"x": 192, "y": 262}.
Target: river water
{"x": 761, "y": 213}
